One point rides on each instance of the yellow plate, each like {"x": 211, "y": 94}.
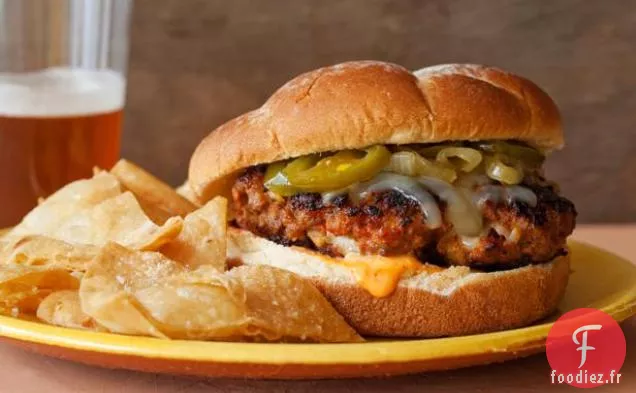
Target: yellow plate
{"x": 599, "y": 279}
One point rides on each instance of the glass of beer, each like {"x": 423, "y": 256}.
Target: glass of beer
{"x": 62, "y": 89}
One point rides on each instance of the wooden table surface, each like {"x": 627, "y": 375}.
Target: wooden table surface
{"x": 22, "y": 372}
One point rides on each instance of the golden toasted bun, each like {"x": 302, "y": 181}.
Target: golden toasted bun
{"x": 358, "y": 104}
{"x": 433, "y": 303}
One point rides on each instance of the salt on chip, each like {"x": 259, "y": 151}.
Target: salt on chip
{"x": 36, "y": 250}
{"x": 202, "y": 239}
{"x": 107, "y": 290}
{"x": 63, "y": 308}
{"x": 197, "y": 305}
{"x": 22, "y": 288}
{"x": 118, "y": 219}
{"x": 284, "y": 306}
{"x": 144, "y": 293}
{"x": 95, "y": 211}
{"x": 159, "y": 200}
{"x": 66, "y": 202}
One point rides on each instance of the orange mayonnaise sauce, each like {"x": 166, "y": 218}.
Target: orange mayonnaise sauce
{"x": 380, "y": 275}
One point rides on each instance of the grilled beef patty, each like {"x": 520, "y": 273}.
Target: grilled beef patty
{"x": 387, "y": 223}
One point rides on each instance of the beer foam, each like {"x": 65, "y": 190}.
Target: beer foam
{"x": 61, "y": 92}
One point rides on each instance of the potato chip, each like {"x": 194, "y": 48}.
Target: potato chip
{"x": 95, "y": 211}
{"x": 22, "y": 288}
{"x": 67, "y": 202}
{"x": 36, "y": 250}
{"x": 118, "y": 219}
{"x": 99, "y": 229}
{"x": 186, "y": 191}
{"x": 285, "y": 306}
{"x": 202, "y": 239}
{"x": 203, "y": 304}
{"x": 159, "y": 200}
{"x": 107, "y": 290}
{"x": 145, "y": 293}
{"x": 121, "y": 220}
{"x": 63, "y": 308}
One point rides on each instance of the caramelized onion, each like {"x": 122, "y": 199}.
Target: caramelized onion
{"x": 410, "y": 163}
{"x": 460, "y": 211}
{"x": 407, "y": 187}
{"x": 470, "y": 158}
{"x": 496, "y": 169}
{"x": 527, "y": 155}
{"x": 471, "y": 180}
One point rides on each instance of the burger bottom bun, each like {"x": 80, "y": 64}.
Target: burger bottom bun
{"x": 437, "y": 302}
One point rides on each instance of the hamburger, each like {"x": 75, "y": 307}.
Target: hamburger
{"x": 415, "y": 201}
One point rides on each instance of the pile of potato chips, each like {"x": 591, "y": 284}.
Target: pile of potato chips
{"x": 124, "y": 253}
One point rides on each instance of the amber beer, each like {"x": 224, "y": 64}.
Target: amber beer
{"x": 55, "y": 126}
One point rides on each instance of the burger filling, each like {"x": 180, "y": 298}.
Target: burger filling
{"x": 484, "y": 205}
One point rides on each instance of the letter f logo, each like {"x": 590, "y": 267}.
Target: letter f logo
{"x": 583, "y": 344}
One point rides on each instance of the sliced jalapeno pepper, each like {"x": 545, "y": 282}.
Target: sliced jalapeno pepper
{"x": 276, "y": 178}
{"x": 340, "y": 170}
{"x": 312, "y": 174}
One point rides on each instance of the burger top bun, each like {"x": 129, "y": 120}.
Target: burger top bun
{"x": 357, "y": 104}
